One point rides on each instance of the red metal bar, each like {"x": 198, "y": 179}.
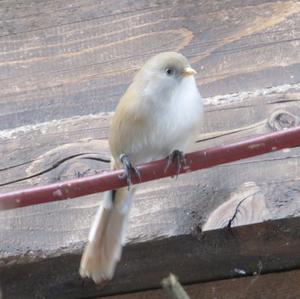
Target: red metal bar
{"x": 151, "y": 171}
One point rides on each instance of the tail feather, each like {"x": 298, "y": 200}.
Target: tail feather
{"x": 107, "y": 233}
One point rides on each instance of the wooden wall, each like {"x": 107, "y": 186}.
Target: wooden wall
{"x": 63, "y": 68}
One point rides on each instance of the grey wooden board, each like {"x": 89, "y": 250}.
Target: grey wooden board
{"x": 64, "y": 58}
{"x": 63, "y": 67}
{"x": 164, "y": 208}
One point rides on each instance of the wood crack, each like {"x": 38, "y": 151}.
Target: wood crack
{"x": 230, "y": 222}
{"x": 55, "y": 165}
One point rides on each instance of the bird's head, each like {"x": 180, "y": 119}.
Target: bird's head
{"x": 164, "y": 73}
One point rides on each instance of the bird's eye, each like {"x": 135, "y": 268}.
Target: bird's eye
{"x": 169, "y": 71}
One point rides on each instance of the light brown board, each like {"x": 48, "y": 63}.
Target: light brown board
{"x": 64, "y": 58}
{"x": 166, "y": 207}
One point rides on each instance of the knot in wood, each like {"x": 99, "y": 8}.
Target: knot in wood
{"x": 281, "y": 119}
{"x": 69, "y": 161}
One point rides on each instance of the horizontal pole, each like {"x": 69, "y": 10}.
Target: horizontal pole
{"x": 151, "y": 171}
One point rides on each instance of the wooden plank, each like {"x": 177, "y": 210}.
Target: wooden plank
{"x": 183, "y": 205}
{"x": 260, "y": 248}
{"x": 60, "y": 59}
{"x": 267, "y": 286}
{"x": 65, "y": 64}
{"x": 251, "y": 115}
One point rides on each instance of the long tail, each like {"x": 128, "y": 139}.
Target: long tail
{"x": 107, "y": 236}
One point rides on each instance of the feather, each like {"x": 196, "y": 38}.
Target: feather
{"x": 107, "y": 235}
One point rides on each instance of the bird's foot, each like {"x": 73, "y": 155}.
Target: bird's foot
{"x": 179, "y": 157}
{"x": 129, "y": 169}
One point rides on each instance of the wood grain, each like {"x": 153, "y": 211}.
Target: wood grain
{"x": 183, "y": 205}
{"x": 51, "y": 236}
{"x": 245, "y": 206}
{"x": 63, "y": 67}
{"x": 60, "y": 59}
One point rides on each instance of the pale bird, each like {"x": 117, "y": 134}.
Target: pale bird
{"x": 158, "y": 116}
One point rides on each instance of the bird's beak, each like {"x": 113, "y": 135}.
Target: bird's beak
{"x": 188, "y": 71}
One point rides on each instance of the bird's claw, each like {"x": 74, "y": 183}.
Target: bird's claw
{"x": 129, "y": 169}
{"x": 179, "y": 157}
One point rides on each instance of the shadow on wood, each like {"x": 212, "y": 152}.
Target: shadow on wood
{"x": 213, "y": 255}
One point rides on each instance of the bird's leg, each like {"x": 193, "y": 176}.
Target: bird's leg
{"x": 179, "y": 157}
{"x": 129, "y": 168}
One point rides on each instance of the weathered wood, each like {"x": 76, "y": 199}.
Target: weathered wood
{"x": 267, "y": 286}
{"x": 246, "y": 205}
{"x": 183, "y": 204}
{"x": 59, "y": 140}
{"x": 63, "y": 67}
{"x": 60, "y": 59}
{"x": 246, "y": 250}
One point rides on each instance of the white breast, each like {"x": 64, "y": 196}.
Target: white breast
{"x": 173, "y": 124}
{"x": 186, "y": 108}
